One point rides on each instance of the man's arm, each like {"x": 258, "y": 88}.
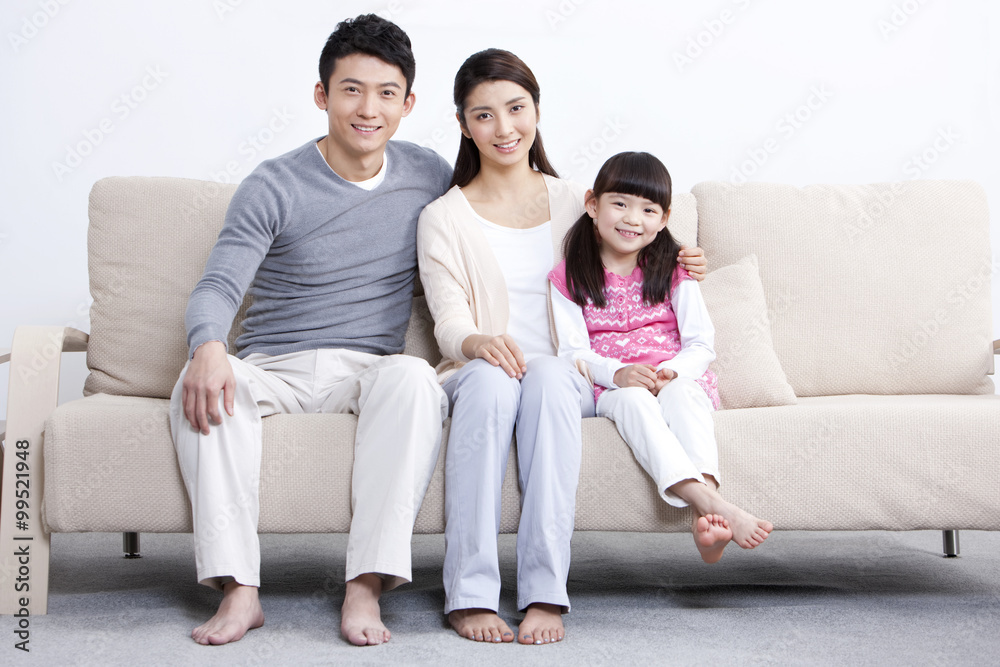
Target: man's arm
{"x": 250, "y": 227}
{"x": 208, "y": 373}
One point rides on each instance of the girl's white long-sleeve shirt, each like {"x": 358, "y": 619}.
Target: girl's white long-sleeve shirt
{"x": 693, "y": 322}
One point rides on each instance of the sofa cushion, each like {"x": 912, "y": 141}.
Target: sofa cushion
{"x": 923, "y": 462}
{"x": 148, "y": 241}
{"x": 878, "y": 289}
{"x": 750, "y": 375}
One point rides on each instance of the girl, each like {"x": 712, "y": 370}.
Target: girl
{"x": 634, "y": 322}
{"x": 485, "y": 248}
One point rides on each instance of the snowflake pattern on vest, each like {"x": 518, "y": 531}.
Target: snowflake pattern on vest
{"x": 631, "y": 331}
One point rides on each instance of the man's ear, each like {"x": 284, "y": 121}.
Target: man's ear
{"x": 319, "y": 96}
{"x": 408, "y": 103}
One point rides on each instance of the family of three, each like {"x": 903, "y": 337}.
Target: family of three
{"x": 528, "y": 278}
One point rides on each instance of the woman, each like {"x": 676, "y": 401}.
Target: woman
{"x": 485, "y": 248}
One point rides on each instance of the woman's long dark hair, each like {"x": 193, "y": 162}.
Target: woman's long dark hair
{"x": 493, "y": 65}
{"x": 641, "y": 175}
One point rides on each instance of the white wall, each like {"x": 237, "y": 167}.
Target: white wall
{"x": 179, "y": 89}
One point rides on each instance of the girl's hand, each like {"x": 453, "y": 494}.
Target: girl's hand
{"x": 663, "y": 378}
{"x": 694, "y": 262}
{"x": 636, "y": 375}
{"x": 500, "y": 351}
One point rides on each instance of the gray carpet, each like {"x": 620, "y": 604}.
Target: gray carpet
{"x": 802, "y": 598}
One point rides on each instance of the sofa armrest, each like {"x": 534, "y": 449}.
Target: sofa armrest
{"x": 4, "y": 358}
{"x": 32, "y": 394}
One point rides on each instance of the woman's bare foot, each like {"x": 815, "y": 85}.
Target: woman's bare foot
{"x": 542, "y": 624}
{"x": 711, "y": 535}
{"x": 360, "y": 617}
{"x": 238, "y": 612}
{"x": 481, "y": 625}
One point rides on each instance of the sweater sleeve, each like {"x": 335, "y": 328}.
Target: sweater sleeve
{"x": 250, "y": 227}
{"x": 696, "y": 331}
{"x": 446, "y": 284}
{"x": 574, "y": 341}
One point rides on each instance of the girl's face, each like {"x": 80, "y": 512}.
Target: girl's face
{"x": 625, "y": 224}
{"x": 500, "y": 118}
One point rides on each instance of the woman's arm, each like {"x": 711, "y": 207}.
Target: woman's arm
{"x": 445, "y": 280}
{"x": 696, "y": 330}
{"x": 574, "y": 341}
{"x": 693, "y": 260}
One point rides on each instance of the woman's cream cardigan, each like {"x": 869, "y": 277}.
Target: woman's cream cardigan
{"x": 462, "y": 280}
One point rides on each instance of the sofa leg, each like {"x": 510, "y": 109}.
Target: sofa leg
{"x": 130, "y": 545}
{"x": 950, "y": 543}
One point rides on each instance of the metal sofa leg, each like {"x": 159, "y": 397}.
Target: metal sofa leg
{"x": 951, "y": 549}
{"x": 130, "y": 545}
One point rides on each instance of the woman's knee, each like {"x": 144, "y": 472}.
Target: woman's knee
{"x": 486, "y": 385}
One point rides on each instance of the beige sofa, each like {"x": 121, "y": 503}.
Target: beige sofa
{"x": 853, "y": 338}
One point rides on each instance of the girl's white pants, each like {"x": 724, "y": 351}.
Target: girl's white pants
{"x": 400, "y": 407}
{"x": 672, "y": 434}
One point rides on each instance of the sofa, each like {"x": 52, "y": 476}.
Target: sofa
{"x": 854, "y": 344}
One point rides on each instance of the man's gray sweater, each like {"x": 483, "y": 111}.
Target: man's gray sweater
{"x": 328, "y": 264}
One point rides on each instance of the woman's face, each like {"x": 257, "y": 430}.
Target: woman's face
{"x": 500, "y": 118}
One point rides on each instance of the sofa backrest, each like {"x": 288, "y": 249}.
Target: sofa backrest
{"x": 148, "y": 242}
{"x": 878, "y": 289}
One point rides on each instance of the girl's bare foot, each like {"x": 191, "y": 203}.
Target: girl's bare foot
{"x": 360, "y": 617}
{"x": 239, "y": 611}
{"x": 711, "y": 535}
{"x": 542, "y": 624}
{"x": 748, "y": 530}
{"x": 481, "y": 625}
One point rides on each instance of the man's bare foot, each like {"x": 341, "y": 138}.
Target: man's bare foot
{"x": 542, "y": 624}
{"x": 239, "y": 611}
{"x": 711, "y": 535}
{"x": 481, "y": 625}
{"x": 360, "y": 617}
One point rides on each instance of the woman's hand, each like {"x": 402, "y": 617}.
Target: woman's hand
{"x": 636, "y": 375}
{"x": 500, "y": 351}
{"x": 694, "y": 262}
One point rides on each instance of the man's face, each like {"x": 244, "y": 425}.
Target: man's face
{"x": 365, "y": 100}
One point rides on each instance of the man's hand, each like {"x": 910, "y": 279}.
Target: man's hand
{"x": 208, "y": 373}
{"x": 500, "y": 351}
{"x": 636, "y": 375}
{"x": 663, "y": 378}
{"x": 693, "y": 260}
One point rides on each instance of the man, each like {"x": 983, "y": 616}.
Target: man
{"x": 324, "y": 237}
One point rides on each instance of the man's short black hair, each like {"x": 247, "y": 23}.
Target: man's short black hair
{"x": 372, "y": 35}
